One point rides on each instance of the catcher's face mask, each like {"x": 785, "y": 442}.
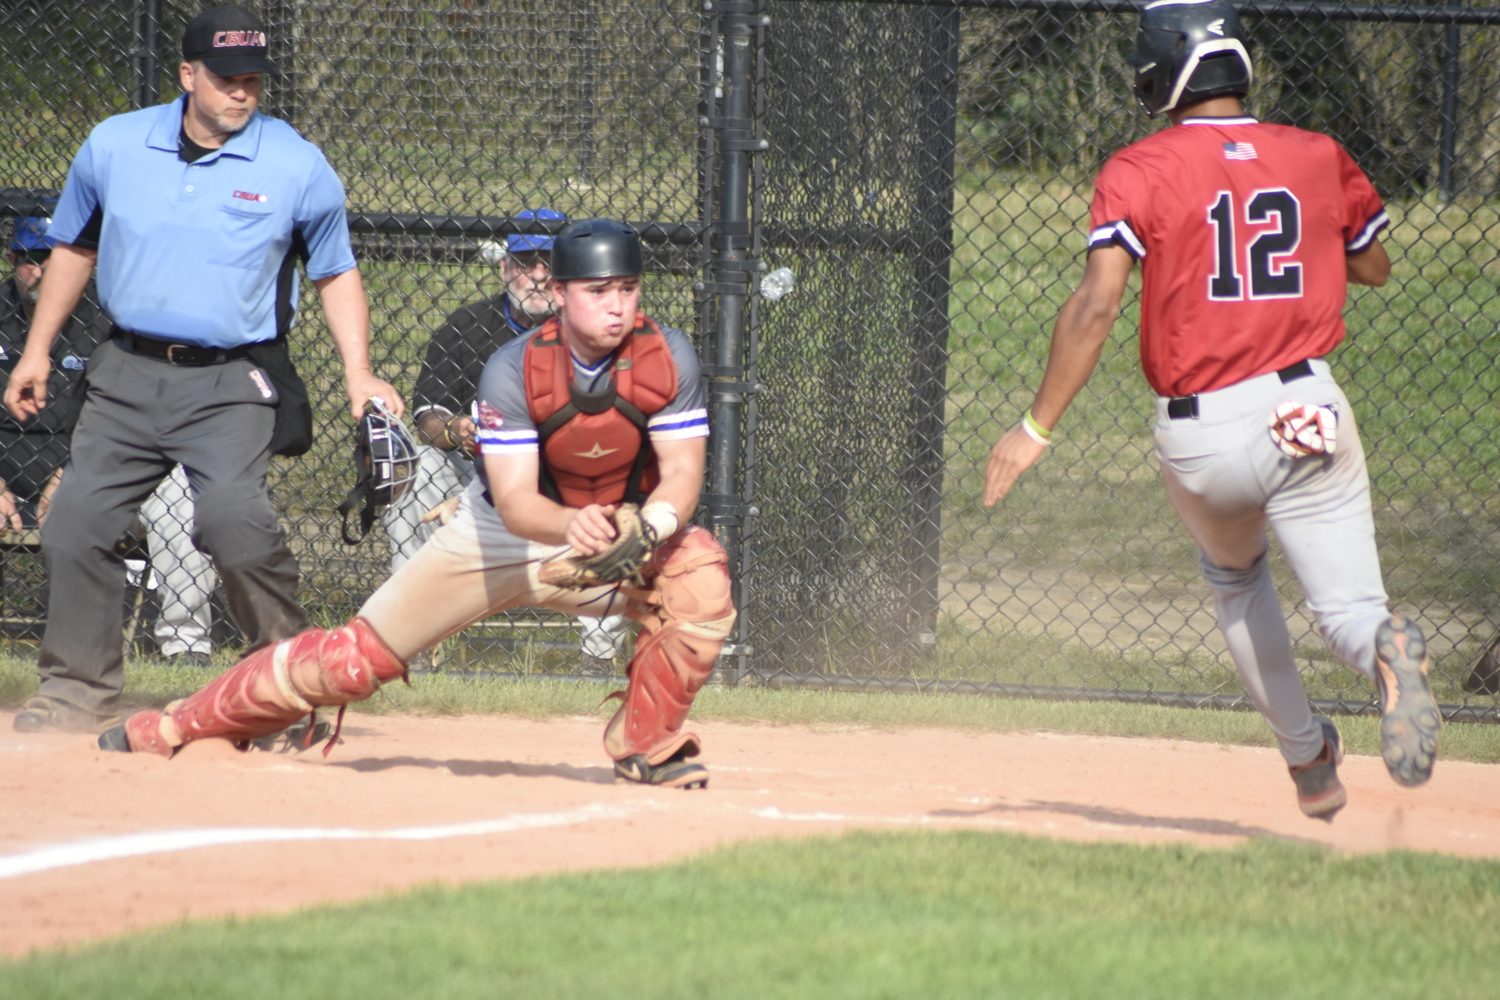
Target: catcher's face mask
{"x": 385, "y": 466}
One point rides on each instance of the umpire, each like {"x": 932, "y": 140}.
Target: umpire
{"x": 195, "y": 213}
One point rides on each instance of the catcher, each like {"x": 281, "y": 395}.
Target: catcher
{"x": 592, "y": 435}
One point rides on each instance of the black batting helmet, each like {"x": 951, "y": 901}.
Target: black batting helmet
{"x": 597, "y": 248}
{"x": 1188, "y": 51}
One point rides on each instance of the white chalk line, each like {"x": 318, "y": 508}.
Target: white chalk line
{"x": 167, "y": 841}
{"x": 775, "y": 813}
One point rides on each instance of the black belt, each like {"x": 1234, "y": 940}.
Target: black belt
{"x": 1183, "y": 407}
{"x": 186, "y": 355}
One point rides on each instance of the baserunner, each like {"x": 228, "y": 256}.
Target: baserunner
{"x": 1247, "y": 235}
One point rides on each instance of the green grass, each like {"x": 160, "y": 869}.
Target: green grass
{"x": 864, "y": 915}
{"x": 152, "y": 684}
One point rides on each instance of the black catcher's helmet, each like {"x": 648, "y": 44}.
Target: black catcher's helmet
{"x": 385, "y": 466}
{"x": 1188, "y": 51}
{"x": 597, "y": 248}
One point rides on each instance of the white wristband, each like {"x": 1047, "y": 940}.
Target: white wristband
{"x": 662, "y": 517}
{"x": 1031, "y": 433}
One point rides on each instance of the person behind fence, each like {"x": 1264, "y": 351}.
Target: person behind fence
{"x": 1247, "y": 235}
{"x": 196, "y": 213}
{"x": 444, "y": 395}
{"x": 32, "y": 452}
{"x": 183, "y": 576}
{"x": 597, "y": 411}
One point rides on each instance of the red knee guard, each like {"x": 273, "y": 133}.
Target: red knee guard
{"x": 273, "y": 687}
{"x": 692, "y": 614}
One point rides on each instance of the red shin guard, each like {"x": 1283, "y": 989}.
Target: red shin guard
{"x": 272, "y": 688}
{"x": 691, "y": 617}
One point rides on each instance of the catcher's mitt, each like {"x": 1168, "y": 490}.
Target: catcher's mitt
{"x": 622, "y": 561}
{"x": 1484, "y": 673}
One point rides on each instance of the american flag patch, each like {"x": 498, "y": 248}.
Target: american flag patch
{"x": 1239, "y": 151}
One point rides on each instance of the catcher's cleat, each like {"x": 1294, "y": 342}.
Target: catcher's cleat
{"x": 674, "y": 772}
{"x": 146, "y": 727}
{"x": 296, "y": 738}
{"x": 115, "y": 740}
{"x": 1484, "y": 673}
{"x": 1411, "y": 724}
{"x": 1320, "y": 794}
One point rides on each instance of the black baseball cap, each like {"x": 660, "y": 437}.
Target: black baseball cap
{"x": 229, "y": 39}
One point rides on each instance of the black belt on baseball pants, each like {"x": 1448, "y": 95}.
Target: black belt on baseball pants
{"x": 186, "y": 355}
{"x": 1184, "y": 407}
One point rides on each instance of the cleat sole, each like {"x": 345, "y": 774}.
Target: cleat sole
{"x": 1411, "y": 725}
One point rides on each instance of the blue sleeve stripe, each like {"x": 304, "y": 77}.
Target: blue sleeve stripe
{"x": 526, "y": 436}
{"x": 1120, "y": 234}
{"x": 1377, "y": 222}
{"x": 681, "y": 434}
{"x": 676, "y": 421}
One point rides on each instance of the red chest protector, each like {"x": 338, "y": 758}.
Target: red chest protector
{"x": 594, "y": 446}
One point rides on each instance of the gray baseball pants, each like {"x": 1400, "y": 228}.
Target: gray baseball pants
{"x": 1228, "y": 480}
{"x": 142, "y": 416}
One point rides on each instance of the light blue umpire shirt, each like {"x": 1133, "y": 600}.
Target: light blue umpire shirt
{"x": 190, "y": 252}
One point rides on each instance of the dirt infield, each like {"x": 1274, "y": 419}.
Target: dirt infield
{"x": 92, "y": 844}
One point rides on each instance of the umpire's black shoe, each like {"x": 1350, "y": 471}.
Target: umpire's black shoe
{"x": 674, "y": 772}
{"x": 1320, "y": 794}
{"x": 1410, "y": 724}
{"x": 41, "y": 714}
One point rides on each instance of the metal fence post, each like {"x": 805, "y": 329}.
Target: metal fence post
{"x": 146, "y": 59}
{"x": 1448, "y": 144}
{"x": 929, "y": 369}
{"x": 732, "y": 266}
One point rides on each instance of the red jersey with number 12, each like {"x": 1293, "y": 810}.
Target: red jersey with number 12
{"x": 1241, "y": 229}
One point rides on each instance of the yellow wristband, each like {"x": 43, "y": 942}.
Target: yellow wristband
{"x": 448, "y": 432}
{"x": 1036, "y": 431}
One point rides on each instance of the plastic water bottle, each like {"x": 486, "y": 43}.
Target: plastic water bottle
{"x": 778, "y": 283}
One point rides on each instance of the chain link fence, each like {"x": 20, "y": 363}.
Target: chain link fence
{"x": 925, "y": 171}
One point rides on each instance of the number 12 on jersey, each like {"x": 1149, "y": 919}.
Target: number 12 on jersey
{"x": 1274, "y": 273}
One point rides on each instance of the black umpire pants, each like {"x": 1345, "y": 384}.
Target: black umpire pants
{"x": 141, "y": 417}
